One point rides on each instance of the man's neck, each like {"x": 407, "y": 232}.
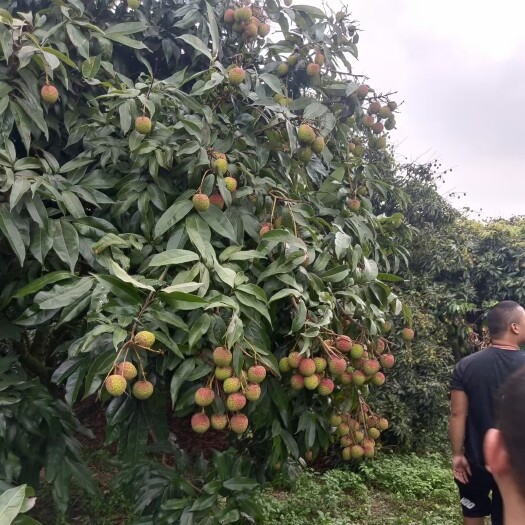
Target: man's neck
{"x": 505, "y": 345}
{"x": 514, "y": 509}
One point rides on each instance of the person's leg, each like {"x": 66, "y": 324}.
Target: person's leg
{"x": 475, "y": 496}
{"x": 473, "y": 521}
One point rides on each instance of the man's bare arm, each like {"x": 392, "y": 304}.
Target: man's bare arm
{"x": 457, "y": 426}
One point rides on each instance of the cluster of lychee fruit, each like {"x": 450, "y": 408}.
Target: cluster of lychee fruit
{"x": 234, "y": 391}
{"x": 117, "y": 382}
{"x": 312, "y": 68}
{"x": 357, "y": 434}
{"x": 243, "y": 22}
{"x": 344, "y": 362}
{"x": 310, "y": 142}
{"x": 219, "y": 163}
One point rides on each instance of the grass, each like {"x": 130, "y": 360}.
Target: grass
{"x": 392, "y": 490}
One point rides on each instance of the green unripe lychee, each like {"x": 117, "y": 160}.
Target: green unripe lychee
{"x": 382, "y": 424}
{"x": 242, "y": 14}
{"x": 201, "y": 201}
{"x": 357, "y": 351}
{"x": 236, "y": 75}
{"x": 347, "y": 454}
{"x": 390, "y": 123}
{"x": 392, "y": 105}
{"x": 200, "y": 423}
{"x": 220, "y": 165}
{"x": 116, "y": 385}
{"x": 144, "y": 339}
{"x": 133, "y": 4}
{"x": 380, "y": 143}
{"x": 264, "y": 30}
{"x": 143, "y": 125}
{"x": 384, "y": 112}
{"x": 358, "y": 378}
{"x": 142, "y": 390}
{"x": 282, "y": 69}
{"x": 204, "y": 396}
{"x": 318, "y": 145}
{"x": 223, "y": 372}
{"x": 354, "y": 204}
{"x": 294, "y": 358}
{"x": 357, "y": 452}
{"x": 231, "y": 385}
{"x": 407, "y": 334}
{"x": 293, "y": 59}
{"x": 222, "y": 356}
{"x": 304, "y": 154}
{"x": 343, "y": 429}
{"x": 284, "y": 365}
{"x": 49, "y": 94}
{"x": 305, "y": 134}
{"x": 127, "y": 370}
{"x": 374, "y": 433}
{"x": 230, "y": 183}
{"x": 335, "y": 420}
{"x": 311, "y": 382}
{"x": 320, "y": 364}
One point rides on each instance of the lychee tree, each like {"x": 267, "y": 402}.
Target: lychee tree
{"x": 188, "y": 230}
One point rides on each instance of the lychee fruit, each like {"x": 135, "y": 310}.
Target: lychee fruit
{"x": 380, "y": 347}
{"x": 382, "y": 424}
{"x": 312, "y": 70}
{"x": 238, "y": 27}
{"x": 392, "y": 105}
{"x": 222, "y": 356}
{"x": 256, "y": 374}
{"x": 144, "y": 339}
{"x": 223, "y": 372}
{"x": 357, "y": 351}
{"x": 201, "y": 201}
{"x": 378, "y": 128}
{"x": 346, "y": 378}
{"x": 219, "y": 421}
{"x": 264, "y": 30}
{"x": 251, "y": 31}
{"x": 284, "y": 365}
{"x": 204, "y": 396}
{"x": 294, "y": 359}
{"x": 231, "y": 385}
{"x": 368, "y": 121}
{"x": 378, "y": 379}
{"x": 359, "y": 436}
{"x": 384, "y": 112}
{"x": 229, "y": 16}
{"x": 311, "y": 382}
{"x": 320, "y": 364}
{"x": 143, "y": 125}
{"x": 133, "y": 4}
{"x": 346, "y": 441}
{"x": 354, "y": 204}
{"x": 407, "y": 334}
{"x": 390, "y": 124}
{"x": 387, "y": 326}
{"x": 282, "y": 69}
{"x": 374, "y": 107}
{"x": 49, "y": 94}
{"x": 369, "y": 452}
{"x": 318, "y": 145}
{"x": 239, "y": 423}
{"x": 335, "y": 420}
{"x": 293, "y": 59}
{"x": 343, "y": 429}
{"x": 305, "y": 134}
{"x": 371, "y": 366}
{"x": 200, "y": 423}
{"x": 221, "y": 166}
{"x": 374, "y": 433}
{"x": 127, "y": 370}
{"x": 362, "y": 90}
{"x": 297, "y": 382}
{"x": 307, "y": 367}
{"x": 116, "y": 385}
{"x": 217, "y": 200}
{"x": 236, "y": 75}
{"x": 319, "y": 59}
{"x": 358, "y": 378}
{"x": 265, "y": 228}
{"x": 142, "y": 389}
{"x": 346, "y": 454}
{"x": 357, "y": 452}
{"x": 230, "y": 183}
{"x": 337, "y": 365}
{"x": 326, "y": 386}
{"x": 252, "y": 392}
{"x": 387, "y": 361}
{"x": 235, "y": 402}
{"x": 242, "y": 14}
{"x": 304, "y": 154}
{"x": 344, "y": 344}
{"x": 308, "y": 456}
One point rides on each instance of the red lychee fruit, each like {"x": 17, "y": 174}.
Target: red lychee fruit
{"x": 312, "y": 70}
{"x": 358, "y": 378}
{"x": 297, "y": 382}
{"x": 362, "y": 90}
{"x": 382, "y": 424}
{"x": 222, "y": 356}
{"x": 374, "y": 107}
{"x": 354, "y": 204}
{"x": 294, "y": 359}
{"x": 346, "y": 378}
{"x": 344, "y": 344}
{"x": 219, "y": 421}
{"x": 378, "y": 379}
{"x": 253, "y": 392}
{"x": 235, "y": 402}
{"x": 229, "y": 16}
{"x": 371, "y": 366}
{"x": 407, "y": 334}
{"x": 200, "y": 423}
{"x": 256, "y": 374}
{"x": 201, "y": 201}
{"x": 217, "y": 200}
{"x": 337, "y": 365}
{"x": 239, "y": 423}
{"x": 49, "y": 94}
{"x": 265, "y": 228}
{"x": 236, "y": 76}
{"x": 204, "y": 396}
{"x": 326, "y": 386}
{"x": 307, "y": 367}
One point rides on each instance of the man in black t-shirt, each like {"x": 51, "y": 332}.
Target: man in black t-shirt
{"x": 475, "y": 385}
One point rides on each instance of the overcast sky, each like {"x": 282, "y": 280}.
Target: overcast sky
{"x": 459, "y": 68}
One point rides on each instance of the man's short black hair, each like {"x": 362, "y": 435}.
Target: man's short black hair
{"x": 501, "y": 316}
{"x": 512, "y": 424}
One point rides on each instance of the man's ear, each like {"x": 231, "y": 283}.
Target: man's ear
{"x": 496, "y": 455}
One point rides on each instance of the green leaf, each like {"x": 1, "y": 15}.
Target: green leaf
{"x": 183, "y": 301}
{"x": 218, "y": 221}
{"x": 10, "y": 231}
{"x": 214, "y": 31}
{"x": 126, "y": 28}
{"x": 66, "y": 243}
{"x": 370, "y": 271}
{"x": 121, "y": 274}
{"x": 173, "y": 257}
{"x": 181, "y": 374}
{"x": 283, "y": 236}
{"x": 61, "y": 296}
{"x": 127, "y": 41}
{"x": 122, "y": 290}
{"x": 196, "y": 43}
{"x": 78, "y": 40}
{"x": 286, "y": 292}
{"x": 240, "y": 483}
{"x": 198, "y": 329}
{"x": 172, "y": 216}
{"x": 11, "y": 501}
{"x": 388, "y": 277}
{"x": 313, "y": 11}
{"x": 272, "y": 82}
{"x": 41, "y": 282}
{"x": 250, "y": 301}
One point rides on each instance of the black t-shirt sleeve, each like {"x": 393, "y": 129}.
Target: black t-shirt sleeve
{"x": 457, "y": 378}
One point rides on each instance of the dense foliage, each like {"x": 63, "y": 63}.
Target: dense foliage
{"x": 186, "y": 194}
